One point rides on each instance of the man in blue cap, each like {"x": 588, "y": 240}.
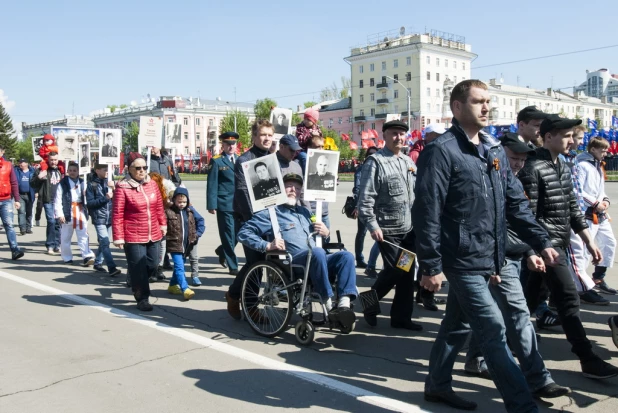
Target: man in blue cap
{"x": 220, "y": 199}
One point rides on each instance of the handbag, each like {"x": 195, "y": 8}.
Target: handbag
{"x": 349, "y": 207}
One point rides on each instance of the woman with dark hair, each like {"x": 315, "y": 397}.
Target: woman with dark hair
{"x": 139, "y": 224}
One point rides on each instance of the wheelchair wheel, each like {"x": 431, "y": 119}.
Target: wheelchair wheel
{"x": 266, "y": 301}
{"x": 304, "y": 332}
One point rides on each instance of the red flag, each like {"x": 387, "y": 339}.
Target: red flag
{"x": 345, "y": 136}
{"x": 380, "y": 143}
{"x": 373, "y": 133}
{"x": 353, "y": 145}
{"x": 364, "y": 135}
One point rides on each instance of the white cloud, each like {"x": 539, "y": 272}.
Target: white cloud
{"x": 4, "y": 99}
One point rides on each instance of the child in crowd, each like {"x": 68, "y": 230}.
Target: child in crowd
{"x": 99, "y": 203}
{"x": 49, "y": 145}
{"x": 181, "y": 238}
{"x": 73, "y": 216}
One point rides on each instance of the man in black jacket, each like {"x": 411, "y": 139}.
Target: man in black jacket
{"x": 548, "y": 184}
{"x": 163, "y": 165}
{"x": 465, "y": 191}
{"x": 46, "y": 183}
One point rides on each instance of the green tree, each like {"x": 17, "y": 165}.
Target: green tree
{"x": 343, "y": 146}
{"x": 123, "y": 106}
{"x": 129, "y": 137}
{"x": 23, "y": 149}
{"x": 296, "y": 119}
{"x": 8, "y": 140}
{"x": 346, "y": 87}
{"x": 310, "y": 103}
{"x": 262, "y": 108}
{"x": 243, "y": 126}
{"x": 112, "y": 108}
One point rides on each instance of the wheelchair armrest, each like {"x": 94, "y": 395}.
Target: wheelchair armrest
{"x": 334, "y": 246}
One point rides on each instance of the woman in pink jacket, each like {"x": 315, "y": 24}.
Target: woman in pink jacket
{"x": 138, "y": 225}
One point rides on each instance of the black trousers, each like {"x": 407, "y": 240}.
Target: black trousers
{"x": 391, "y": 276}
{"x": 142, "y": 263}
{"x": 564, "y": 294}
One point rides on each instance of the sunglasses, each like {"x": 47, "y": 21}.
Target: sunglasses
{"x": 141, "y": 168}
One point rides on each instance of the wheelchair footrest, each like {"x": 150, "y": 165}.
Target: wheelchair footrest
{"x": 369, "y": 301}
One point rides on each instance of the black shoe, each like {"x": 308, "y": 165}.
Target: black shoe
{"x": 99, "y": 268}
{"x": 159, "y": 275}
{"x": 219, "y": 252}
{"x": 70, "y": 262}
{"x": 152, "y": 279}
{"x": 548, "y": 319}
{"x": 144, "y": 305}
{"x": 87, "y": 262}
{"x": 114, "y": 272}
{"x": 595, "y": 368}
{"x": 361, "y": 264}
{"x": 551, "y": 391}
{"x": 439, "y": 301}
{"x": 592, "y": 297}
{"x": 451, "y": 399}
{"x": 613, "y": 326}
{"x": 371, "y": 319}
{"x": 56, "y": 250}
{"x": 371, "y": 272}
{"x": 602, "y": 287}
{"x": 407, "y": 325}
{"x": 429, "y": 304}
{"x": 17, "y": 255}
{"x": 128, "y": 281}
{"x": 22, "y": 232}
{"x": 167, "y": 266}
{"x": 233, "y": 272}
{"x": 29, "y": 231}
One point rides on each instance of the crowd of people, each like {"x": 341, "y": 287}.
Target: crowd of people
{"x": 511, "y": 225}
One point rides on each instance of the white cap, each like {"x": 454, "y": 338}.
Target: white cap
{"x": 435, "y": 127}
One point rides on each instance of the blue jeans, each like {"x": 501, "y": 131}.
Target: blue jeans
{"x": 178, "y": 276}
{"x": 52, "y": 240}
{"x": 104, "y": 233}
{"x": 471, "y": 305}
{"x": 325, "y": 268}
{"x": 359, "y": 242}
{"x": 6, "y": 214}
{"x": 509, "y": 296}
{"x": 25, "y": 212}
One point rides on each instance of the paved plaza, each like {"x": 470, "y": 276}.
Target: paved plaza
{"x": 71, "y": 340}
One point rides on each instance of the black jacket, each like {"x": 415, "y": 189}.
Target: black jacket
{"x": 99, "y": 206}
{"x": 164, "y": 166}
{"x": 549, "y": 187}
{"x": 451, "y": 208}
{"x": 42, "y": 186}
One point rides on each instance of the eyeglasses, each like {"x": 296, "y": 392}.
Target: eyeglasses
{"x": 141, "y": 168}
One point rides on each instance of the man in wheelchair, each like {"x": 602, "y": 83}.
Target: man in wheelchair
{"x": 296, "y": 225}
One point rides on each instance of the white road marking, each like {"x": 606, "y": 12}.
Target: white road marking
{"x": 311, "y": 376}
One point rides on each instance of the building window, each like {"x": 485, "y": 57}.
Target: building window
{"x": 373, "y": 113}
{"x": 511, "y": 115}
{"x": 197, "y": 121}
{"x": 437, "y": 61}
{"x": 198, "y": 151}
{"x": 383, "y": 79}
{"x": 383, "y": 65}
{"x": 408, "y": 61}
{"x": 437, "y": 92}
{"x": 373, "y": 125}
{"x": 446, "y": 63}
{"x": 463, "y": 78}
{"x": 463, "y": 65}
{"x": 186, "y": 135}
{"x": 361, "y": 128}
{"x": 371, "y": 67}
{"x": 211, "y": 122}
{"x": 197, "y": 136}
{"x": 360, "y": 84}
{"x": 428, "y": 91}
{"x": 185, "y": 121}
{"x": 396, "y": 77}
{"x": 408, "y": 76}
{"x": 170, "y": 120}
{"x": 371, "y": 82}
{"x": 362, "y": 98}
{"x": 360, "y": 69}
{"x": 428, "y": 107}
{"x": 396, "y": 108}
{"x": 396, "y": 94}
{"x": 186, "y": 150}
{"x": 362, "y": 112}
{"x": 340, "y": 120}
{"x": 330, "y": 123}
{"x": 511, "y": 102}
{"x": 428, "y": 60}
{"x": 437, "y": 77}
{"x": 438, "y": 108}
{"x": 504, "y": 101}
{"x": 494, "y": 99}
{"x": 396, "y": 63}
{"x": 428, "y": 75}
{"x": 454, "y": 64}
{"x": 455, "y": 79}
{"x": 372, "y": 97}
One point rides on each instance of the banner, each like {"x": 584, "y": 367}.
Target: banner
{"x": 150, "y": 132}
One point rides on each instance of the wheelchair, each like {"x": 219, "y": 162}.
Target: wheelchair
{"x": 275, "y": 288}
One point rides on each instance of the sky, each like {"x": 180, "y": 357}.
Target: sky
{"x": 62, "y": 57}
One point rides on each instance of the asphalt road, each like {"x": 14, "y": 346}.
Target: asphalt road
{"x": 71, "y": 340}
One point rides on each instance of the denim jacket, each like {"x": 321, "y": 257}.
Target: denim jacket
{"x": 386, "y": 192}
{"x": 294, "y": 222}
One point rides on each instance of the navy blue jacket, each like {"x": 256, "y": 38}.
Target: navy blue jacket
{"x": 19, "y": 173}
{"x": 66, "y": 197}
{"x": 455, "y": 217}
{"x": 199, "y": 222}
{"x": 99, "y": 207}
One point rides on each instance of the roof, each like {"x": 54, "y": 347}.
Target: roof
{"x": 345, "y": 103}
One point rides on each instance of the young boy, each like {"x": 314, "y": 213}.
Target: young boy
{"x": 594, "y": 203}
{"x": 70, "y": 212}
{"x": 181, "y": 238}
{"x": 99, "y": 203}
{"x": 194, "y": 259}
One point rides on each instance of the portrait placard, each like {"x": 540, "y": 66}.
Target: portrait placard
{"x": 321, "y": 175}
{"x": 37, "y": 142}
{"x": 68, "y": 139}
{"x": 84, "y": 158}
{"x": 265, "y": 183}
{"x": 281, "y": 118}
{"x": 110, "y": 146}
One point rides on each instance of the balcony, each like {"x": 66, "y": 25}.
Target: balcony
{"x": 580, "y": 111}
{"x": 381, "y": 116}
{"x": 382, "y": 85}
{"x": 360, "y": 118}
{"x": 383, "y": 101}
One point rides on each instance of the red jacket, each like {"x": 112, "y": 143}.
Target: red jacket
{"x": 138, "y": 215}
{"x": 418, "y": 147}
{"x": 9, "y": 187}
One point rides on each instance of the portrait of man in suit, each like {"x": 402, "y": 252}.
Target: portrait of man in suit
{"x": 109, "y": 149}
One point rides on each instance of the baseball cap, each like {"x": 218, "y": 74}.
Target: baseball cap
{"x": 511, "y": 140}
{"x": 293, "y": 177}
{"x": 435, "y": 128}
{"x": 397, "y": 124}
{"x": 291, "y": 141}
{"x": 554, "y": 121}
{"x": 529, "y": 113}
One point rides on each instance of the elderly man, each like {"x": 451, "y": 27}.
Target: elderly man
{"x": 295, "y": 222}
{"x": 432, "y": 131}
{"x": 385, "y": 198}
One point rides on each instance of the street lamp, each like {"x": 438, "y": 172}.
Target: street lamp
{"x": 409, "y": 99}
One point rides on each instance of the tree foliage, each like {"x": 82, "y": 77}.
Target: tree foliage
{"x": 129, "y": 137}
{"x": 243, "y": 126}
{"x": 262, "y": 108}
{"x": 335, "y": 92}
{"x": 23, "y": 149}
{"x": 296, "y": 119}
{"x": 344, "y": 146}
{"x": 8, "y": 140}
{"x": 310, "y": 103}
{"x": 113, "y": 108}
